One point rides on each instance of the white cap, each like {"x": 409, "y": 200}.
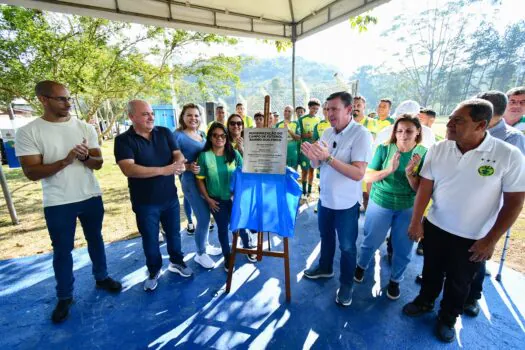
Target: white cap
{"x": 407, "y": 107}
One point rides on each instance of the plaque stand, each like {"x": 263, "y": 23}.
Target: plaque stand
{"x": 260, "y": 239}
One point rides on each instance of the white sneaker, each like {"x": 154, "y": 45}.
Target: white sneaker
{"x": 151, "y": 282}
{"x": 204, "y": 260}
{"x": 212, "y": 250}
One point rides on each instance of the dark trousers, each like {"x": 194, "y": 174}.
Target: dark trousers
{"x": 477, "y": 285}
{"x": 342, "y": 225}
{"x": 149, "y": 216}
{"x": 222, "y": 219}
{"x": 61, "y": 223}
{"x": 446, "y": 254}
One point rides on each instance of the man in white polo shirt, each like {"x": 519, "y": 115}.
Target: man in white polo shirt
{"x": 63, "y": 151}
{"x": 477, "y": 185}
{"x": 342, "y": 153}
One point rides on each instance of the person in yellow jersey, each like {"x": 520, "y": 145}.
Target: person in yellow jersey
{"x": 240, "y": 109}
{"x": 318, "y": 132}
{"x": 294, "y": 136}
{"x": 220, "y": 116}
{"x": 358, "y": 113}
{"x": 383, "y": 114}
{"x": 299, "y": 111}
{"x": 307, "y": 124}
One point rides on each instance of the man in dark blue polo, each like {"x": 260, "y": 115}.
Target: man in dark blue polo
{"x": 149, "y": 157}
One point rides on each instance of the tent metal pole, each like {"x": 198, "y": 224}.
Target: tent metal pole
{"x": 294, "y": 32}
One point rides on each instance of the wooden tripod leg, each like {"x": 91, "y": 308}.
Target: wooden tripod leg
{"x": 231, "y": 263}
{"x": 260, "y": 239}
{"x": 287, "y": 271}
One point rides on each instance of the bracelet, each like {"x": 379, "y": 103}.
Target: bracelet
{"x": 85, "y": 159}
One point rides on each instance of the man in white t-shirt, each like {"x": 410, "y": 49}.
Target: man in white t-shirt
{"x": 63, "y": 152}
{"x": 342, "y": 154}
{"x": 477, "y": 185}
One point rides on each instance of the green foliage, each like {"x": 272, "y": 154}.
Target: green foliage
{"x": 446, "y": 58}
{"x": 101, "y": 60}
{"x": 362, "y": 22}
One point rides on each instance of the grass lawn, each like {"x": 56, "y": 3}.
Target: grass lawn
{"x": 31, "y": 237}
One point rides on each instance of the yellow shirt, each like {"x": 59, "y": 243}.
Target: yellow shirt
{"x": 370, "y": 124}
{"x": 307, "y": 124}
{"x": 320, "y": 128}
{"x": 248, "y": 121}
{"x": 381, "y": 124}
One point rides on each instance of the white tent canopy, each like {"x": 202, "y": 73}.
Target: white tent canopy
{"x": 288, "y": 20}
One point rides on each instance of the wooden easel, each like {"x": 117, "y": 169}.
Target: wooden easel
{"x": 260, "y": 238}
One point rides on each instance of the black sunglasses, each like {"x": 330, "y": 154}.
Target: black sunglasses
{"x": 236, "y": 123}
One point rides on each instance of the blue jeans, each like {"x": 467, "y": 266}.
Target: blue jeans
{"x": 149, "y": 216}
{"x": 344, "y": 222}
{"x": 61, "y": 223}
{"x": 187, "y": 210}
{"x": 377, "y": 222}
{"x": 222, "y": 219}
{"x": 202, "y": 213}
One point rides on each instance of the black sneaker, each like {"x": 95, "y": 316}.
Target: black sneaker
{"x": 419, "y": 278}
{"x": 392, "y": 291}
{"x": 190, "y": 229}
{"x": 110, "y": 285}
{"x": 471, "y": 308}
{"x": 252, "y": 258}
{"x": 359, "y": 274}
{"x": 445, "y": 332}
{"x": 316, "y": 272}
{"x": 416, "y": 308}
{"x": 61, "y": 311}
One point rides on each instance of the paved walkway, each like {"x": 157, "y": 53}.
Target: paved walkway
{"x": 195, "y": 313}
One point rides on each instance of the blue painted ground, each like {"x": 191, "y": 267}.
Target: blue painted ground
{"x": 195, "y": 313}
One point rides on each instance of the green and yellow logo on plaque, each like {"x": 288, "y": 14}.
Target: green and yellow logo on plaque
{"x": 486, "y": 170}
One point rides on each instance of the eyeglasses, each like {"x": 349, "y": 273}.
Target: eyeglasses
{"x": 236, "y": 123}
{"x": 219, "y": 136}
{"x": 61, "y": 99}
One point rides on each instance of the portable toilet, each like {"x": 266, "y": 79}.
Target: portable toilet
{"x": 7, "y": 133}
{"x": 8, "y": 139}
{"x": 165, "y": 116}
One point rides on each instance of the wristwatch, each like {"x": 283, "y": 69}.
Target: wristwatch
{"x": 329, "y": 160}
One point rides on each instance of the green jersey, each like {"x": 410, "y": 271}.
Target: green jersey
{"x": 394, "y": 191}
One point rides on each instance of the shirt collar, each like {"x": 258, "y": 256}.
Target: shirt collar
{"x": 485, "y": 146}
{"x": 348, "y": 127}
{"x": 501, "y": 125}
{"x": 132, "y": 131}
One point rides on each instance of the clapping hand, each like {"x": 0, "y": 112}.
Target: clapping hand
{"x": 394, "y": 162}
{"x": 411, "y": 168}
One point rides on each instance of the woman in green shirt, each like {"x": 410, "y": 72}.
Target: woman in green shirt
{"x": 217, "y": 162}
{"x": 394, "y": 171}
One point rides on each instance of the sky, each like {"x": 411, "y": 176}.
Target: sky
{"x": 369, "y": 47}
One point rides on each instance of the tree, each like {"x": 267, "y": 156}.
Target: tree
{"x": 104, "y": 63}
